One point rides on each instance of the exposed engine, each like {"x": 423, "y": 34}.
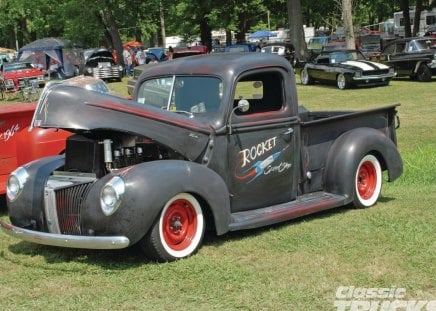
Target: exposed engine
{"x": 105, "y": 152}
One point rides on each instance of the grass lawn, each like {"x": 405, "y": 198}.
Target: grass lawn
{"x": 293, "y": 266}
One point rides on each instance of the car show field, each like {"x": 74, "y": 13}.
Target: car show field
{"x": 297, "y": 265}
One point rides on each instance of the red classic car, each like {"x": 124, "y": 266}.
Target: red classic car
{"x": 19, "y": 145}
{"x": 17, "y": 75}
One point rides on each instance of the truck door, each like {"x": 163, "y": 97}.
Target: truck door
{"x": 261, "y": 142}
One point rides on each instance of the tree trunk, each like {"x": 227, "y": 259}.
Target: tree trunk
{"x": 347, "y": 15}
{"x": 295, "y": 20}
{"x": 404, "y": 4}
{"x": 206, "y": 33}
{"x": 417, "y": 18}
{"x": 113, "y": 30}
{"x": 162, "y": 23}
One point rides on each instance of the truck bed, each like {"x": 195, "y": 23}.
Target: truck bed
{"x": 320, "y": 128}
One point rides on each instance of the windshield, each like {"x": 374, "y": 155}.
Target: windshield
{"x": 339, "y": 57}
{"x": 419, "y": 45}
{"x": 16, "y": 66}
{"x": 191, "y": 95}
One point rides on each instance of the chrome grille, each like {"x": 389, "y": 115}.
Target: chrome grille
{"x": 375, "y": 72}
{"x": 64, "y": 196}
{"x": 69, "y": 202}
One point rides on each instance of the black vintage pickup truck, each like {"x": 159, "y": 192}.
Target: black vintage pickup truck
{"x": 214, "y": 142}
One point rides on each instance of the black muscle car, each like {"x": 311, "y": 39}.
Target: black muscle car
{"x": 413, "y": 57}
{"x": 346, "y": 68}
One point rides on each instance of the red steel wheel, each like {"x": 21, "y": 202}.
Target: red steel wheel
{"x": 368, "y": 182}
{"x": 178, "y": 231}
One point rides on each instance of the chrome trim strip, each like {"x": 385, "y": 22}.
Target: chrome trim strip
{"x": 61, "y": 240}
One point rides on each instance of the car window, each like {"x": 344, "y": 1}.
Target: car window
{"x": 182, "y": 93}
{"x": 263, "y": 91}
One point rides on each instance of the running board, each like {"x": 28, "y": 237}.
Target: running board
{"x": 303, "y": 205}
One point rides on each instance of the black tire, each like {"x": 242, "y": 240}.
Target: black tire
{"x": 424, "y": 73}
{"x": 306, "y": 79}
{"x": 367, "y": 182}
{"x": 341, "y": 82}
{"x": 177, "y": 232}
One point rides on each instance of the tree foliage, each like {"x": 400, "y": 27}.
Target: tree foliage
{"x": 87, "y": 22}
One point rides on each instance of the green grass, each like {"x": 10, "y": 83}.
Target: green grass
{"x": 293, "y": 266}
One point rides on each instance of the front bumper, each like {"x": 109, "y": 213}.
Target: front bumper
{"x": 384, "y": 77}
{"x": 62, "y": 240}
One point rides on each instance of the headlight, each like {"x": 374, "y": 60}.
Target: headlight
{"x": 120, "y": 68}
{"x": 111, "y": 195}
{"x": 17, "y": 180}
{"x": 358, "y": 74}
{"x": 391, "y": 70}
{"x": 9, "y": 82}
{"x": 89, "y": 70}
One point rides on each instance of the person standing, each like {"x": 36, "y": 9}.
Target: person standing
{"x": 127, "y": 61}
{"x": 140, "y": 57}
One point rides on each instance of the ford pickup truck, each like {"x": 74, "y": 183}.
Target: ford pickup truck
{"x": 213, "y": 142}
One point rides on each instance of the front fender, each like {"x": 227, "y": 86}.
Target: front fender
{"x": 26, "y": 210}
{"x": 148, "y": 187}
{"x": 346, "y": 152}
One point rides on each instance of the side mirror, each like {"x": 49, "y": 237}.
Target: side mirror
{"x": 243, "y": 106}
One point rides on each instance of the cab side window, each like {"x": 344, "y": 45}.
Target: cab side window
{"x": 264, "y": 92}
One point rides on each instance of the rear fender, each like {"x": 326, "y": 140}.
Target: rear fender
{"x": 346, "y": 152}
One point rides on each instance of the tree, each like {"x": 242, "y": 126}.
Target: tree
{"x": 404, "y": 4}
{"x": 347, "y": 16}
{"x": 417, "y": 17}
{"x": 295, "y": 19}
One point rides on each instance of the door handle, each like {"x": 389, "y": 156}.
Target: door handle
{"x": 288, "y": 134}
{"x": 289, "y": 131}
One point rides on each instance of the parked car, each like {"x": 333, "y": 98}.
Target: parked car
{"x": 4, "y": 58}
{"x": 315, "y": 44}
{"x": 242, "y": 48}
{"x": 19, "y": 145}
{"x": 211, "y": 143}
{"x": 345, "y": 68}
{"x": 18, "y": 75}
{"x": 177, "y": 53}
{"x": 412, "y": 57}
{"x": 100, "y": 63}
{"x": 287, "y": 50}
{"x": 159, "y": 53}
{"x": 201, "y": 48}
{"x": 431, "y": 31}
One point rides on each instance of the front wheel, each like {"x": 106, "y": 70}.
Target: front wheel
{"x": 424, "y": 73}
{"x": 367, "y": 182}
{"x": 341, "y": 81}
{"x": 306, "y": 79}
{"x": 178, "y": 231}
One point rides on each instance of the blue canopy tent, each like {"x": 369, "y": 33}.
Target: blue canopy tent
{"x": 48, "y": 51}
{"x": 261, "y": 34}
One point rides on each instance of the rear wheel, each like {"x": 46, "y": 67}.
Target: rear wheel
{"x": 367, "y": 182}
{"x": 305, "y": 77}
{"x": 341, "y": 81}
{"x": 178, "y": 231}
{"x": 424, "y": 73}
